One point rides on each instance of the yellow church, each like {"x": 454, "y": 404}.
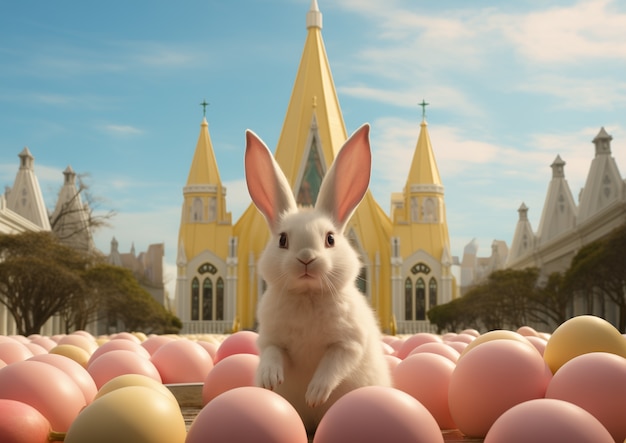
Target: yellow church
{"x": 405, "y": 255}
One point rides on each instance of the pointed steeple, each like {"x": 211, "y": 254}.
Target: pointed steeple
{"x": 523, "y": 239}
{"x": 559, "y": 210}
{"x": 70, "y": 219}
{"x": 203, "y": 170}
{"x": 604, "y": 184}
{"x": 423, "y": 169}
{"x": 25, "y": 197}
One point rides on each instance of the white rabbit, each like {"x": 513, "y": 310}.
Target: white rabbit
{"x": 318, "y": 337}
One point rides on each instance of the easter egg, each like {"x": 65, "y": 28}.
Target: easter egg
{"x": 247, "y": 414}
{"x": 234, "y": 371}
{"x": 241, "y": 342}
{"x": 182, "y": 361}
{"x": 79, "y": 355}
{"x": 132, "y": 414}
{"x": 154, "y": 342}
{"x": 46, "y": 388}
{"x": 499, "y": 334}
{"x": 374, "y": 414}
{"x": 22, "y": 423}
{"x": 414, "y": 341}
{"x": 12, "y": 351}
{"x": 88, "y": 343}
{"x": 597, "y": 383}
{"x": 123, "y": 381}
{"x": 77, "y": 373}
{"x": 581, "y": 335}
{"x": 437, "y": 348}
{"x": 117, "y": 344}
{"x": 426, "y": 377}
{"x": 118, "y": 362}
{"x": 547, "y": 421}
{"x": 491, "y": 379}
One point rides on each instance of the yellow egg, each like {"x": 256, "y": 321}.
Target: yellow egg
{"x": 582, "y": 335}
{"x": 123, "y": 381}
{"x": 133, "y": 414}
{"x": 79, "y": 355}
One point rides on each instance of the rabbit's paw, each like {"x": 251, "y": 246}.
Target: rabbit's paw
{"x": 317, "y": 393}
{"x": 270, "y": 375}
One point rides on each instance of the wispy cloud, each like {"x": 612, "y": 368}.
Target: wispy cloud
{"x": 121, "y": 130}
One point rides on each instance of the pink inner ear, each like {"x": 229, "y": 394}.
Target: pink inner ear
{"x": 260, "y": 176}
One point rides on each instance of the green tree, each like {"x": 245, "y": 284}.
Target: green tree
{"x": 39, "y": 277}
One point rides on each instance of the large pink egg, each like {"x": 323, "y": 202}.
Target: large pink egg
{"x": 119, "y": 362}
{"x": 499, "y": 334}
{"x": 242, "y": 342}
{"x": 597, "y": 383}
{"x": 77, "y": 373}
{"x": 426, "y": 378}
{"x": 438, "y": 348}
{"x": 234, "y": 371}
{"x": 154, "y": 342}
{"x": 46, "y": 388}
{"x": 492, "y": 378}
{"x": 374, "y": 414}
{"x": 414, "y": 341}
{"x": 132, "y": 414}
{"x": 22, "y": 423}
{"x": 248, "y": 414}
{"x": 547, "y": 421}
{"x": 182, "y": 361}
{"x": 117, "y": 344}
{"x": 13, "y": 351}
{"x": 581, "y": 335}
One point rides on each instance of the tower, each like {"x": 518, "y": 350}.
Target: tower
{"x": 204, "y": 246}
{"x": 421, "y": 259}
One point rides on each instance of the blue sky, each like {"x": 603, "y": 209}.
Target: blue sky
{"x": 113, "y": 89}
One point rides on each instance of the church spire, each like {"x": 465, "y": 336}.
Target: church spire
{"x": 203, "y": 170}
{"x": 423, "y": 169}
{"x": 314, "y": 16}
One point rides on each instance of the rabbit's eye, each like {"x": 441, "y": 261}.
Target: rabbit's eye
{"x": 330, "y": 240}
{"x": 283, "y": 242}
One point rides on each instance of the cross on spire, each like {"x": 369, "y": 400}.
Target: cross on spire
{"x": 423, "y": 105}
{"x": 204, "y": 104}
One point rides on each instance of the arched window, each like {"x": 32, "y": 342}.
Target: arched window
{"x": 361, "y": 281}
{"x": 207, "y": 299}
{"x": 195, "y": 299}
{"x": 197, "y": 209}
{"x": 420, "y": 299}
{"x": 432, "y": 293}
{"x": 408, "y": 299}
{"x": 219, "y": 303}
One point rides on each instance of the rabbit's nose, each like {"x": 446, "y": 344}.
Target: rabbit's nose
{"x": 306, "y": 256}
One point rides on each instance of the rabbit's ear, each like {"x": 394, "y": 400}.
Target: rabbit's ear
{"x": 347, "y": 180}
{"x": 267, "y": 184}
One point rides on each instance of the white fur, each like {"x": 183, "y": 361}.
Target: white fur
{"x": 318, "y": 336}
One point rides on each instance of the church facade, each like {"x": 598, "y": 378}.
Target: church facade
{"x": 405, "y": 256}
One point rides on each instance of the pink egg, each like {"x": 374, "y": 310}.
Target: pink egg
{"x": 77, "y": 373}
{"x": 126, "y": 336}
{"x": 79, "y": 340}
{"x": 242, "y": 342}
{"x": 234, "y": 371}
{"x": 472, "y": 332}
{"x": 392, "y": 362}
{"x": 547, "y": 421}
{"x": 85, "y": 334}
{"x": 248, "y": 414}
{"x": 182, "y": 361}
{"x": 538, "y": 343}
{"x": 20, "y": 339}
{"x": 119, "y": 362}
{"x": 458, "y": 346}
{"x": 211, "y": 348}
{"x": 154, "y": 342}
{"x": 46, "y": 388}
{"x": 499, "y": 334}
{"x": 526, "y": 331}
{"x": 414, "y": 341}
{"x": 438, "y": 348}
{"x": 374, "y": 414}
{"x": 118, "y": 344}
{"x": 45, "y": 342}
{"x": 426, "y": 378}
{"x": 463, "y": 338}
{"x": 13, "y": 351}
{"x": 22, "y": 423}
{"x": 492, "y": 378}
{"x": 35, "y": 349}
{"x": 597, "y": 383}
